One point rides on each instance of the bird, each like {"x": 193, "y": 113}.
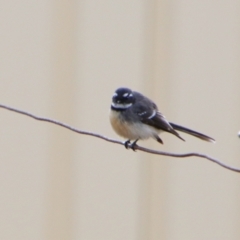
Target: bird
{"x": 134, "y": 117}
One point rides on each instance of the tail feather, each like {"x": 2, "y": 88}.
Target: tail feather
{"x": 159, "y": 139}
{"x": 192, "y": 132}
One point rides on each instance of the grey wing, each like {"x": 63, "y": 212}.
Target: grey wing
{"x": 147, "y": 112}
{"x": 152, "y": 117}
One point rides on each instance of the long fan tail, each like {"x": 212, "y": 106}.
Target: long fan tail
{"x": 192, "y": 132}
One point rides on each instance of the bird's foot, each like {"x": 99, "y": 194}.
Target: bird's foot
{"x": 133, "y": 145}
{"x": 127, "y": 144}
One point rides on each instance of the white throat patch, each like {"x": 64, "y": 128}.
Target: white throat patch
{"x": 121, "y": 106}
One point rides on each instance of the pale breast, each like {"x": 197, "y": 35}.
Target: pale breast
{"x": 131, "y": 131}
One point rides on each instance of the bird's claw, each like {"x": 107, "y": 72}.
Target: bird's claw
{"x": 128, "y": 145}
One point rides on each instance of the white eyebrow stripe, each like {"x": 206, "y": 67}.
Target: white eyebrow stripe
{"x": 153, "y": 114}
{"x": 115, "y": 94}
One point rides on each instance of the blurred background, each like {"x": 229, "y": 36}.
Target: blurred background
{"x": 63, "y": 60}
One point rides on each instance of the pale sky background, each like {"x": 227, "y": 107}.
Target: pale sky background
{"x": 63, "y": 60}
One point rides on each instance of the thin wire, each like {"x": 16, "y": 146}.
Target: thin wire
{"x": 134, "y": 147}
